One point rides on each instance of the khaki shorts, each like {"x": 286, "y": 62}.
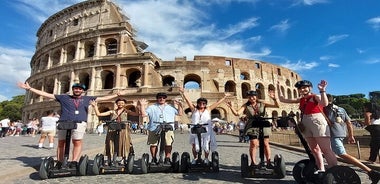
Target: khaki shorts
{"x": 153, "y": 138}
{"x": 76, "y": 134}
{"x": 315, "y": 125}
{"x": 48, "y": 133}
{"x": 253, "y": 133}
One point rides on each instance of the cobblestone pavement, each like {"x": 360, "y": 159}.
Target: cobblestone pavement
{"x": 20, "y": 160}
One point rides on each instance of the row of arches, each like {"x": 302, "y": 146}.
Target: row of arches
{"x": 75, "y": 51}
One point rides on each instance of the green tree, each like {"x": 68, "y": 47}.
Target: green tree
{"x": 12, "y": 109}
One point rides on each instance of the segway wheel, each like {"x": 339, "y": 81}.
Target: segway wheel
{"x": 215, "y": 161}
{"x": 144, "y": 163}
{"x": 244, "y": 165}
{"x": 185, "y": 162}
{"x": 82, "y": 168}
{"x": 299, "y": 171}
{"x": 175, "y": 162}
{"x": 96, "y": 165}
{"x": 279, "y": 165}
{"x": 45, "y": 166}
{"x": 129, "y": 163}
{"x": 341, "y": 174}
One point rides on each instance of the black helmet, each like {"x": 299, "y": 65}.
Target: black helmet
{"x": 251, "y": 93}
{"x": 202, "y": 100}
{"x": 303, "y": 83}
{"x": 161, "y": 95}
{"x": 121, "y": 99}
{"x": 78, "y": 85}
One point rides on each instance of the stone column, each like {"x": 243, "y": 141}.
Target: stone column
{"x": 117, "y": 76}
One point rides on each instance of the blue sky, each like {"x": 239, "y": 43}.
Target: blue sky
{"x": 335, "y": 40}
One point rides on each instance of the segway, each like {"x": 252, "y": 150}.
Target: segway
{"x": 199, "y": 164}
{"x": 101, "y": 166}
{"x": 305, "y": 171}
{"x": 260, "y": 170}
{"x": 51, "y": 169}
{"x": 160, "y": 165}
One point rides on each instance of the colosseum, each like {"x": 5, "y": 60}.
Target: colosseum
{"x": 93, "y": 43}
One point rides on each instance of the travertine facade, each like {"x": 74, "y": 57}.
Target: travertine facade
{"x": 93, "y": 43}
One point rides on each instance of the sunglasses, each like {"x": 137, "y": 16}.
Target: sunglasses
{"x": 161, "y": 97}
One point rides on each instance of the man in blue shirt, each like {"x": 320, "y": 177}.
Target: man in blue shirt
{"x": 340, "y": 124}
{"x": 158, "y": 113}
{"x": 74, "y": 108}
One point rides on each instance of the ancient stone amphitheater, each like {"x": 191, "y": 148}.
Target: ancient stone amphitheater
{"x": 93, "y": 43}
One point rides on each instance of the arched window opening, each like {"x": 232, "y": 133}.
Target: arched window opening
{"x": 111, "y": 46}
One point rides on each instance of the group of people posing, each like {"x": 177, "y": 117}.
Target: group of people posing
{"x": 323, "y": 124}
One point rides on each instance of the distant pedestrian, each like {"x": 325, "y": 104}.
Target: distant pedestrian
{"x": 48, "y": 129}
{"x": 372, "y": 120}
{"x": 5, "y": 123}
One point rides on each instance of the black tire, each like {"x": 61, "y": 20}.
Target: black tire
{"x": 130, "y": 162}
{"x": 96, "y": 165}
{"x": 185, "y": 162}
{"x": 82, "y": 168}
{"x": 175, "y": 162}
{"x": 144, "y": 163}
{"x": 244, "y": 165}
{"x": 341, "y": 174}
{"x": 299, "y": 171}
{"x": 45, "y": 167}
{"x": 279, "y": 165}
{"x": 215, "y": 161}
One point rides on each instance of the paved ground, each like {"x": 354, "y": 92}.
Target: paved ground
{"x": 20, "y": 160}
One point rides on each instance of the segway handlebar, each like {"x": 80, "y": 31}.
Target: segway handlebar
{"x": 196, "y": 125}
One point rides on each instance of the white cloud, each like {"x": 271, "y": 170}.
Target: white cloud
{"x": 14, "y": 64}
{"x": 373, "y": 61}
{"x": 335, "y": 38}
{"x": 375, "y": 23}
{"x": 360, "y": 51}
{"x": 241, "y": 27}
{"x": 300, "y": 65}
{"x": 281, "y": 27}
{"x": 309, "y": 2}
{"x": 333, "y": 65}
{"x": 325, "y": 58}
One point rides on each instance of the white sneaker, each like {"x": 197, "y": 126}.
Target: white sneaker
{"x": 206, "y": 161}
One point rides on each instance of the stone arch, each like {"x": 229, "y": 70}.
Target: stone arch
{"x": 65, "y": 84}
{"x": 287, "y": 82}
{"x": 49, "y": 85}
{"x": 191, "y": 80}
{"x": 244, "y": 76}
{"x": 107, "y": 79}
{"x": 44, "y": 62}
{"x": 215, "y": 113}
{"x": 295, "y": 93}
{"x": 230, "y": 86}
{"x": 289, "y": 93}
{"x": 56, "y": 57}
{"x": 111, "y": 46}
{"x": 84, "y": 78}
{"x": 133, "y": 77}
{"x": 70, "y": 53}
{"x": 168, "y": 80}
{"x": 157, "y": 65}
{"x": 245, "y": 86}
{"x": 260, "y": 90}
{"x": 89, "y": 49}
